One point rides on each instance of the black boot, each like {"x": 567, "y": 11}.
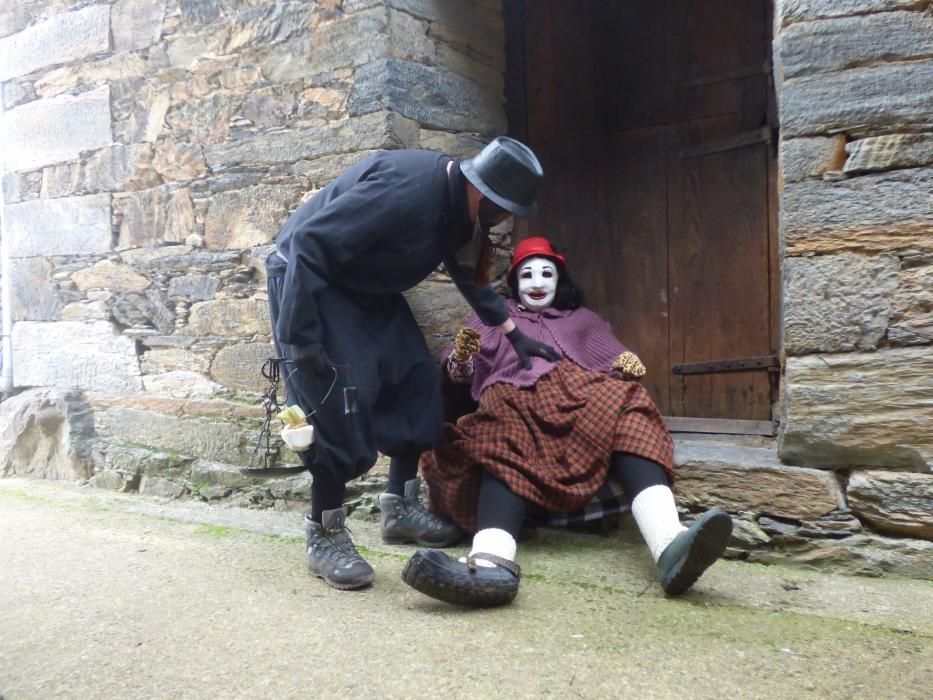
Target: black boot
{"x": 405, "y": 519}
{"x": 331, "y": 554}
{"x": 693, "y": 551}
{"x": 463, "y": 583}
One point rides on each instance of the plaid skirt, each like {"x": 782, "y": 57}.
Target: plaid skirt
{"x": 549, "y": 443}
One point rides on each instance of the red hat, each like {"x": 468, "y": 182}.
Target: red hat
{"x": 531, "y": 247}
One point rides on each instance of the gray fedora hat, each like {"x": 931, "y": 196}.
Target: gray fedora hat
{"x": 508, "y": 172}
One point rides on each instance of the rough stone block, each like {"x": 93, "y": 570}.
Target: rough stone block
{"x": 432, "y": 96}
{"x": 122, "y": 168}
{"x": 218, "y": 474}
{"x": 143, "y": 217}
{"x": 45, "y": 433}
{"x": 247, "y": 217}
{"x": 35, "y": 297}
{"x": 891, "y": 96}
{"x": 70, "y": 354}
{"x": 890, "y": 211}
{"x": 161, "y": 360}
{"x": 440, "y": 310}
{"x": 180, "y": 384}
{"x": 912, "y": 305}
{"x": 230, "y": 317}
{"x": 179, "y": 162}
{"x": 136, "y": 23}
{"x": 215, "y": 440}
{"x": 837, "y": 44}
{"x": 269, "y": 24}
{"x": 895, "y": 503}
{"x": 837, "y": 303}
{"x": 68, "y": 226}
{"x": 811, "y": 157}
{"x": 888, "y": 152}
{"x": 871, "y": 409}
{"x": 180, "y": 221}
{"x": 109, "y": 275}
{"x": 193, "y": 287}
{"x": 161, "y": 487}
{"x": 64, "y": 180}
{"x": 408, "y": 38}
{"x": 380, "y": 130}
{"x": 353, "y": 40}
{"x": 59, "y": 39}
{"x": 320, "y": 171}
{"x": 49, "y": 131}
{"x": 790, "y": 11}
{"x": 238, "y": 366}
{"x": 752, "y": 479}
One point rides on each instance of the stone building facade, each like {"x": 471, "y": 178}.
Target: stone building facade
{"x": 151, "y": 149}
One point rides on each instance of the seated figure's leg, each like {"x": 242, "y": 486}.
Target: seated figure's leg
{"x": 488, "y": 575}
{"x": 682, "y": 554}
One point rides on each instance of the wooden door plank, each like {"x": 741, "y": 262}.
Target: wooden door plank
{"x": 719, "y": 425}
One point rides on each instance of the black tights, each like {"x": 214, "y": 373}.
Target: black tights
{"x": 501, "y": 508}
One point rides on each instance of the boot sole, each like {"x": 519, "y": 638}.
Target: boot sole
{"x": 708, "y": 544}
{"x": 433, "y": 580}
{"x": 421, "y": 542}
{"x": 362, "y": 582}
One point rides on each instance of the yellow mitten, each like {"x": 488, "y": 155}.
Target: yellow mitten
{"x": 466, "y": 344}
{"x": 629, "y": 366}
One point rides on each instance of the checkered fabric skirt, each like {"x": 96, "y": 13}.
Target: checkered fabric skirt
{"x": 549, "y": 443}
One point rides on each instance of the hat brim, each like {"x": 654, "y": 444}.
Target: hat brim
{"x": 525, "y": 211}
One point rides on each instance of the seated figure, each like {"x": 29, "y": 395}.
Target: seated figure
{"x": 548, "y": 436}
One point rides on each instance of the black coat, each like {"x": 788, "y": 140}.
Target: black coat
{"x": 378, "y": 229}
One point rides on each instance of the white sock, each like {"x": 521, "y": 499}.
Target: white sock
{"x": 493, "y": 541}
{"x": 657, "y": 518}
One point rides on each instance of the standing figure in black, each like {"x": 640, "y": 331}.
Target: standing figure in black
{"x": 336, "y": 278}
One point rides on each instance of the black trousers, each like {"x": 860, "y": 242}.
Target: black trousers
{"x": 396, "y": 380}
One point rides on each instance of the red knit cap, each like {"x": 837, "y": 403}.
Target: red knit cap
{"x": 531, "y": 247}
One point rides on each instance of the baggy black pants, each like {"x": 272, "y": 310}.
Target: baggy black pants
{"x": 397, "y": 382}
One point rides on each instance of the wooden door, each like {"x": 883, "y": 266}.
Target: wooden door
{"x": 651, "y": 121}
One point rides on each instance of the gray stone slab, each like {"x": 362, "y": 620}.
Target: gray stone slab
{"x": 238, "y": 366}
{"x": 68, "y": 226}
{"x": 59, "y": 39}
{"x": 890, "y": 96}
{"x": 888, "y": 152}
{"x": 137, "y": 23}
{"x": 43, "y": 132}
{"x": 895, "y": 503}
{"x": 213, "y": 440}
{"x": 871, "y": 213}
{"x": 836, "y": 44}
{"x": 249, "y": 216}
{"x": 860, "y": 409}
{"x": 811, "y": 157}
{"x": 230, "y": 317}
{"x": 789, "y": 11}
{"x": 90, "y": 356}
{"x": 837, "y": 303}
{"x": 912, "y": 312}
{"x": 35, "y": 297}
{"x": 430, "y": 95}
{"x": 752, "y": 479}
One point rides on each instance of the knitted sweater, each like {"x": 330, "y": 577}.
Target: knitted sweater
{"x": 580, "y": 335}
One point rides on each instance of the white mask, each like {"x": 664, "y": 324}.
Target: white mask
{"x": 537, "y": 283}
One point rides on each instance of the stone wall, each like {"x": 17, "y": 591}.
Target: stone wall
{"x": 855, "y": 85}
{"x": 152, "y": 148}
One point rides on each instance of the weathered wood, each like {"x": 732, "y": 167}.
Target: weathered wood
{"x": 873, "y": 213}
{"x": 851, "y": 409}
{"x": 889, "y": 152}
{"x": 891, "y": 97}
{"x": 836, "y": 44}
{"x": 765, "y": 362}
{"x": 722, "y": 426}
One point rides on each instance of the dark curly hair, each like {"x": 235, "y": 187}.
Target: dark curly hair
{"x": 569, "y": 294}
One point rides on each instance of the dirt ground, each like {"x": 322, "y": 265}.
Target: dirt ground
{"x": 106, "y": 595}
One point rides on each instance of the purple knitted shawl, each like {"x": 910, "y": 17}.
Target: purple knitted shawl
{"x": 578, "y": 334}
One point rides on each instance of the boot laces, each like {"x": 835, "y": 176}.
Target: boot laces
{"x": 337, "y": 544}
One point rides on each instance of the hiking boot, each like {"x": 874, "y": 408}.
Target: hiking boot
{"x": 331, "y": 554}
{"x": 693, "y": 551}
{"x": 405, "y": 520}
{"x": 463, "y": 582}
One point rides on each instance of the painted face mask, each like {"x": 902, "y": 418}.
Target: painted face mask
{"x": 537, "y": 283}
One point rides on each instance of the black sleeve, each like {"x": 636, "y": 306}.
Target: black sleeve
{"x": 341, "y": 230}
{"x": 485, "y": 302}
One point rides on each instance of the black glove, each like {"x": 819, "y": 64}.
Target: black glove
{"x": 311, "y": 358}
{"x": 525, "y": 348}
